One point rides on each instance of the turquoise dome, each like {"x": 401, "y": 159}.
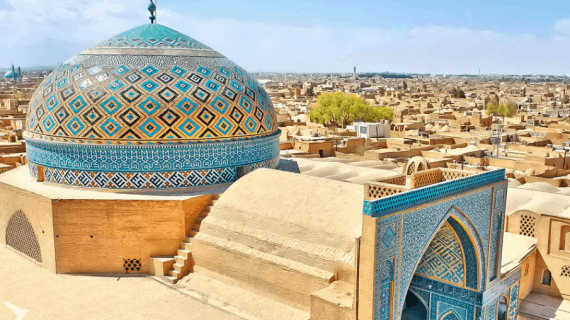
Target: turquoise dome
{"x": 10, "y": 75}
{"x": 150, "y": 100}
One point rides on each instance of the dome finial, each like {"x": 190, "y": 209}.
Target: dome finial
{"x": 152, "y": 10}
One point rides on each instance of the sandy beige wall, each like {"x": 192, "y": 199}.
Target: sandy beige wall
{"x": 94, "y": 236}
{"x": 38, "y": 212}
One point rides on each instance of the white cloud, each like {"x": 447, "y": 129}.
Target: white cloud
{"x": 563, "y": 26}
{"x": 78, "y": 24}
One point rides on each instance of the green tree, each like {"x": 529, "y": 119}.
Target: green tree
{"x": 498, "y": 110}
{"x": 340, "y": 109}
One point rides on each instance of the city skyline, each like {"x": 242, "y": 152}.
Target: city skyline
{"x": 508, "y": 38}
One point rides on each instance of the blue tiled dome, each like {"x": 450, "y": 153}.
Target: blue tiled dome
{"x": 150, "y": 88}
{"x": 10, "y": 74}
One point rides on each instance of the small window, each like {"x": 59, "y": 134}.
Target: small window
{"x": 527, "y": 224}
{"x": 565, "y": 271}
{"x": 363, "y": 130}
{"x": 546, "y": 278}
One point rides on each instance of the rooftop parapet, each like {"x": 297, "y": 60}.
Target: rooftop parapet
{"x": 403, "y": 191}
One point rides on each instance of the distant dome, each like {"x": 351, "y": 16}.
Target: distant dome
{"x": 151, "y": 100}
{"x": 10, "y": 75}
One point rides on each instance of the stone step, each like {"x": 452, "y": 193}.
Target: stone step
{"x": 181, "y": 268}
{"x": 180, "y": 260}
{"x": 193, "y": 232}
{"x": 170, "y": 279}
{"x": 216, "y": 289}
{"x": 187, "y": 245}
{"x": 285, "y": 280}
{"x": 319, "y": 256}
{"x": 184, "y": 253}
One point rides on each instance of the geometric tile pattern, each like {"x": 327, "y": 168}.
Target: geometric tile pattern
{"x": 513, "y": 303}
{"x": 186, "y": 92}
{"x": 149, "y": 158}
{"x": 385, "y": 206}
{"x": 443, "y": 258}
{"x": 152, "y": 35}
{"x": 472, "y": 214}
{"x": 138, "y": 180}
{"x": 151, "y": 104}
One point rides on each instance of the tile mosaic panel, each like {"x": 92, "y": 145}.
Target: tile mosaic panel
{"x": 149, "y": 101}
{"x": 132, "y": 158}
{"x": 443, "y": 258}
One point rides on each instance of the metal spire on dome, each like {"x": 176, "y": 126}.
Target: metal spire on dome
{"x": 152, "y": 10}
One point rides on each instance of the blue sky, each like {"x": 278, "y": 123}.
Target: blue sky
{"x": 513, "y": 37}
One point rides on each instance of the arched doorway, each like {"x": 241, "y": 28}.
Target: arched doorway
{"x": 450, "y": 260}
{"x": 414, "y": 309}
{"x": 20, "y": 236}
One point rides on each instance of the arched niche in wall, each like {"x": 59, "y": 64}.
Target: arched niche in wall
{"x": 20, "y": 235}
{"x": 524, "y": 222}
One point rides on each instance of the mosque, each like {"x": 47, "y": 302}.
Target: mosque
{"x": 151, "y": 153}
{"x": 13, "y": 75}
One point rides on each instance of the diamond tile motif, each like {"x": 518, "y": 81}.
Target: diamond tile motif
{"x": 149, "y": 70}
{"x": 224, "y": 126}
{"x": 189, "y": 127}
{"x": 96, "y": 94}
{"x": 169, "y": 117}
{"x": 195, "y": 78}
{"x": 219, "y": 105}
{"x": 116, "y": 85}
{"x": 131, "y": 94}
{"x": 201, "y": 94}
{"x": 62, "y": 83}
{"x": 178, "y": 71}
{"x": 150, "y": 127}
{"x": 67, "y": 93}
{"x": 212, "y": 85}
{"x": 149, "y": 106}
{"x": 149, "y": 85}
{"x": 184, "y": 102}
{"x": 130, "y": 116}
{"x": 246, "y": 104}
{"x": 187, "y": 106}
{"x": 75, "y": 125}
{"x": 110, "y": 127}
{"x": 52, "y": 103}
{"x": 164, "y": 78}
{"x": 167, "y": 94}
{"x": 48, "y": 123}
{"x": 61, "y": 114}
{"x": 182, "y": 86}
{"x": 133, "y": 78}
{"x": 250, "y": 124}
{"x": 111, "y": 105}
{"x": 77, "y": 104}
{"x": 121, "y": 70}
{"x": 92, "y": 116}
{"x": 206, "y": 116}
{"x": 204, "y": 71}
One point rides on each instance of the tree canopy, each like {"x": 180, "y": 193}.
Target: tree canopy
{"x": 501, "y": 109}
{"x": 339, "y": 108}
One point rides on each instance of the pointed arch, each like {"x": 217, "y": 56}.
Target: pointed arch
{"x": 471, "y": 236}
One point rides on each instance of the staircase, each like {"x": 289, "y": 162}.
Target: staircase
{"x": 183, "y": 261}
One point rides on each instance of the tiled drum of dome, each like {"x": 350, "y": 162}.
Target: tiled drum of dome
{"x": 128, "y": 103}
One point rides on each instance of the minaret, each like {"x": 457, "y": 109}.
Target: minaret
{"x": 354, "y": 74}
